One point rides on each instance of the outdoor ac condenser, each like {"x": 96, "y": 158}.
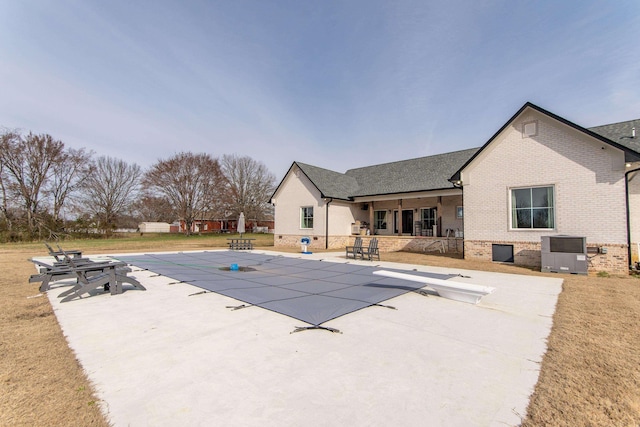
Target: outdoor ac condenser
{"x": 564, "y": 254}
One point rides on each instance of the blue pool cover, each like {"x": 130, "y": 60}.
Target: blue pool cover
{"x": 308, "y": 290}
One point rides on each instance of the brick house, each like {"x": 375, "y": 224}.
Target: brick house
{"x": 539, "y": 175}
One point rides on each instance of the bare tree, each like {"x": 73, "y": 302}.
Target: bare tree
{"x": 110, "y": 189}
{"x": 67, "y": 177}
{"x": 4, "y": 207}
{"x": 250, "y": 185}
{"x": 153, "y": 208}
{"x": 27, "y": 162}
{"x": 191, "y": 183}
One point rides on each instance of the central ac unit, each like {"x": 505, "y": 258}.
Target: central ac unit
{"x": 564, "y": 254}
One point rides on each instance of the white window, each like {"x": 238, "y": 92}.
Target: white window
{"x": 532, "y": 208}
{"x": 380, "y": 220}
{"x": 306, "y": 217}
{"x": 459, "y": 212}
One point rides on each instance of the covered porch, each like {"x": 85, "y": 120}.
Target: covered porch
{"x": 435, "y": 214}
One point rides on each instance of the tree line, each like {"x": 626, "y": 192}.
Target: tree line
{"x": 48, "y": 189}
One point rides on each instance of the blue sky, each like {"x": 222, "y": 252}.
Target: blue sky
{"x": 337, "y": 84}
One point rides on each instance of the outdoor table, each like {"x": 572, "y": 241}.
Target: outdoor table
{"x": 240, "y": 244}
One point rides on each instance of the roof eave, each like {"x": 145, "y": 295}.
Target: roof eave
{"x": 400, "y": 193}
{"x": 281, "y": 181}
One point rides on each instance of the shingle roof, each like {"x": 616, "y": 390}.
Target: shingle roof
{"x": 406, "y": 176}
{"x": 621, "y": 133}
{"x": 330, "y": 183}
{"x": 421, "y": 174}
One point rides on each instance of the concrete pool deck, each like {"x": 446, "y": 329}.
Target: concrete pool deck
{"x": 167, "y": 357}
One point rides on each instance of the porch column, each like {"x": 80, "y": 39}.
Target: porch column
{"x": 439, "y": 214}
{"x": 371, "y": 218}
{"x": 399, "y": 217}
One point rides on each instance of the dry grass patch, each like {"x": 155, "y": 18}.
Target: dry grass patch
{"x": 589, "y": 375}
{"x": 41, "y": 382}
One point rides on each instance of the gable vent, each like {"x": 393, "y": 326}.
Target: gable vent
{"x": 529, "y": 129}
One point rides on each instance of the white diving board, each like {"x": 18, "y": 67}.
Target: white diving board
{"x": 458, "y": 291}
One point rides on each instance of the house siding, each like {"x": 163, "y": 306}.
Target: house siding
{"x": 588, "y": 178}
{"x": 300, "y": 192}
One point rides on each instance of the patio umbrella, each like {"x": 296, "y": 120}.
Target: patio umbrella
{"x": 241, "y": 224}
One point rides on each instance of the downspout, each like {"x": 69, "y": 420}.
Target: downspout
{"x": 628, "y": 211}
{"x": 326, "y": 224}
{"x": 458, "y": 184}
{"x": 463, "y": 232}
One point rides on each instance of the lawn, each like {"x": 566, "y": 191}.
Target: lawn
{"x": 589, "y": 375}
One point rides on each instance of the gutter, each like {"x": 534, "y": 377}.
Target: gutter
{"x": 326, "y": 224}
{"x": 458, "y": 184}
{"x": 628, "y": 211}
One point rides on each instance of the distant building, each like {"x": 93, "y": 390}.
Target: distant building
{"x": 154, "y": 227}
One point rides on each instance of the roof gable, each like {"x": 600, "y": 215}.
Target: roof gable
{"x": 330, "y": 184}
{"x": 630, "y": 153}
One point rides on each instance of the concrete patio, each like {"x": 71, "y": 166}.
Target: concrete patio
{"x": 175, "y": 356}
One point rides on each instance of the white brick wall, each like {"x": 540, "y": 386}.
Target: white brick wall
{"x": 588, "y": 180}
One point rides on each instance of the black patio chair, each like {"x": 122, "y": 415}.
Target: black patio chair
{"x": 355, "y": 250}
{"x": 372, "y": 250}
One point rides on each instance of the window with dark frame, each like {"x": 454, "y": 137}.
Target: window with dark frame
{"x": 532, "y": 208}
{"x": 380, "y": 220}
{"x": 428, "y": 217}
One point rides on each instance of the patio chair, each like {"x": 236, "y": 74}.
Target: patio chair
{"x": 372, "y": 250}
{"x": 76, "y": 253}
{"x": 355, "y": 250}
{"x": 111, "y": 280}
{"x": 60, "y": 270}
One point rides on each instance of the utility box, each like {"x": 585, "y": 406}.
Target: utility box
{"x": 564, "y": 254}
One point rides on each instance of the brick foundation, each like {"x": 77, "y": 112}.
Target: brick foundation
{"x": 527, "y": 254}
{"x": 317, "y": 242}
{"x": 385, "y": 243}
